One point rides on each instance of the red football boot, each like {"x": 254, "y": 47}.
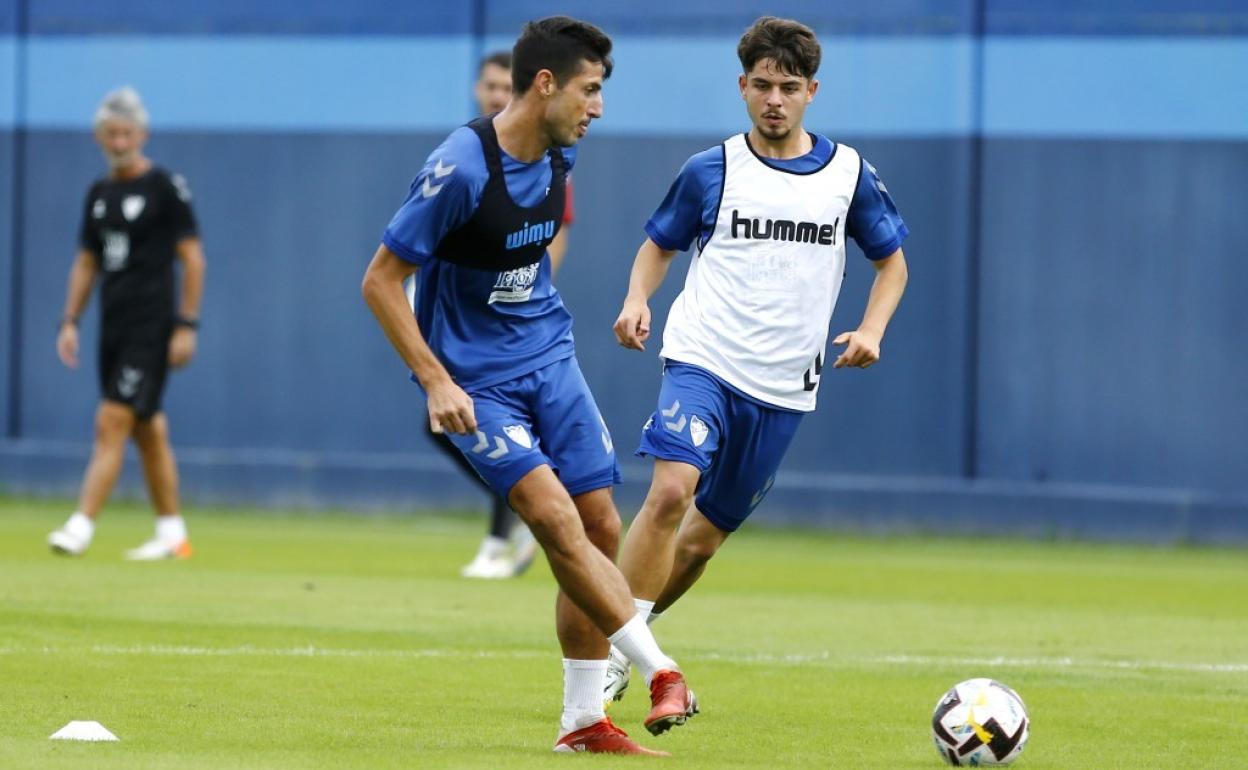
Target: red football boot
{"x": 603, "y": 738}
{"x": 671, "y": 702}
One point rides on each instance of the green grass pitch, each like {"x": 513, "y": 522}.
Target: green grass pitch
{"x": 329, "y": 641}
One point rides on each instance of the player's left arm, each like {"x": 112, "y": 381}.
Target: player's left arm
{"x": 186, "y": 331}
{"x": 873, "y": 222}
{"x": 863, "y": 344}
{"x": 559, "y": 246}
{"x": 190, "y": 253}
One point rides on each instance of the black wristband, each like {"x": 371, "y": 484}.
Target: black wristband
{"x": 190, "y": 323}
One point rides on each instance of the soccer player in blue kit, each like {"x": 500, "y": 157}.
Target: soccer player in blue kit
{"x": 744, "y": 344}
{"x": 491, "y": 346}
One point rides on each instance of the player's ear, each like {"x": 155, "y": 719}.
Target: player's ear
{"x": 544, "y": 82}
{"x": 810, "y": 91}
{"x": 741, "y": 84}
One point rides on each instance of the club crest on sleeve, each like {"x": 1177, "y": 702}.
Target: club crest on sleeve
{"x": 697, "y": 431}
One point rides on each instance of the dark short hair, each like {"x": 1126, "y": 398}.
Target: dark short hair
{"x": 498, "y": 59}
{"x": 559, "y": 44}
{"x": 790, "y": 44}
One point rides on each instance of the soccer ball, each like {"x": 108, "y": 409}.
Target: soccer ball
{"x": 980, "y": 722}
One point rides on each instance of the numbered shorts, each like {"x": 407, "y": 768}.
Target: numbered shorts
{"x": 735, "y": 441}
{"x": 134, "y": 362}
{"x": 546, "y": 417}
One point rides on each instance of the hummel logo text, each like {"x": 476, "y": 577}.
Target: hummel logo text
{"x": 785, "y": 230}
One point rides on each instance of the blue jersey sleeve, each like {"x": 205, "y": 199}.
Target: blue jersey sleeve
{"x": 442, "y": 197}
{"x": 692, "y": 203}
{"x": 873, "y": 221}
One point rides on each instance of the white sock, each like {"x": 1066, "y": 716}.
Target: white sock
{"x": 583, "y": 681}
{"x": 171, "y": 528}
{"x": 644, "y": 607}
{"x": 80, "y": 526}
{"x": 638, "y": 645}
{"x": 654, "y": 616}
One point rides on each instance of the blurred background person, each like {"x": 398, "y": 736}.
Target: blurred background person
{"x": 136, "y": 222}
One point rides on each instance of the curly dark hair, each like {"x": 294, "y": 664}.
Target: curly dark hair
{"x": 790, "y": 44}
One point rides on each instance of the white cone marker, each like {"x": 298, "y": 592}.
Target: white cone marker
{"x": 83, "y": 731}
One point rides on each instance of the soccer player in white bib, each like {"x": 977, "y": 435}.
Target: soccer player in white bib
{"x": 744, "y": 344}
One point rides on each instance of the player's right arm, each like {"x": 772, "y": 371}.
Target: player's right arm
{"x": 687, "y": 212}
{"x": 450, "y": 408}
{"x": 632, "y": 328}
{"x": 81, "y": 280}
{"x": 441, "y": 198}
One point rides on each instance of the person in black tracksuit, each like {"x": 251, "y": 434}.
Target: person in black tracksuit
{"x": 136, "y": 223}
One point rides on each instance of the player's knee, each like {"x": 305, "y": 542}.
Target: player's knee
{"x": 152, "y": 432}
{"x": 113, "y": 423}
{"x": 603, "y": 530}
{"x": 668, "y": 500}
{"x": 556, "y": 525}
{"x": 696, "y": 552}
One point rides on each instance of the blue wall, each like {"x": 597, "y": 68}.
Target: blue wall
{"x": 1065, "y": 360}
{"x": 1117, "y": 331}
{"x": 9, "y": 202}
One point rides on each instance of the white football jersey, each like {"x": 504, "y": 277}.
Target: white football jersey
{"x": 759, "y": 296}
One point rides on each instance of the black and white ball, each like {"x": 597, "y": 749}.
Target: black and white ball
{"x": 980, "y": 722}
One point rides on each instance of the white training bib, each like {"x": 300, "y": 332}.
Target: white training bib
{"x": 759, "y": 296}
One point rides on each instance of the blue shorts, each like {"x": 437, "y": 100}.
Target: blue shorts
{"x": 546, "y": 417}
{"x": 736, "y": 441}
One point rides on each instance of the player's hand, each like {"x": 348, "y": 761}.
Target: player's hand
{"x": 862, "y": 349}
{"x": 450, "y": 409}
{"x": 67, "y": 345}
{"x": 632, "y": 328}
{"x": 182, "y": 346}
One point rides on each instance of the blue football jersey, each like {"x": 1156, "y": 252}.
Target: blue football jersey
{"x": 485, "y": 326}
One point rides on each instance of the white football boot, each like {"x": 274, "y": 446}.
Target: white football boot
{"x": 157, "y": 549}
{"x": 66, "y": 543}
{"x": 618, "y": 670}
{"x": 492, "y": 561}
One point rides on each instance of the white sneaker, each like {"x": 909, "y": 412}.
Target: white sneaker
{"x": 618, "y": 670}
{"x": 66, "y": 543}
{"x": 491, "y": 562}
{"x": 523, "y": 549}
{"x": 157, "y": 549}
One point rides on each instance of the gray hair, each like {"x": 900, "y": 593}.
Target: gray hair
{"x": 121, "y": 104}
